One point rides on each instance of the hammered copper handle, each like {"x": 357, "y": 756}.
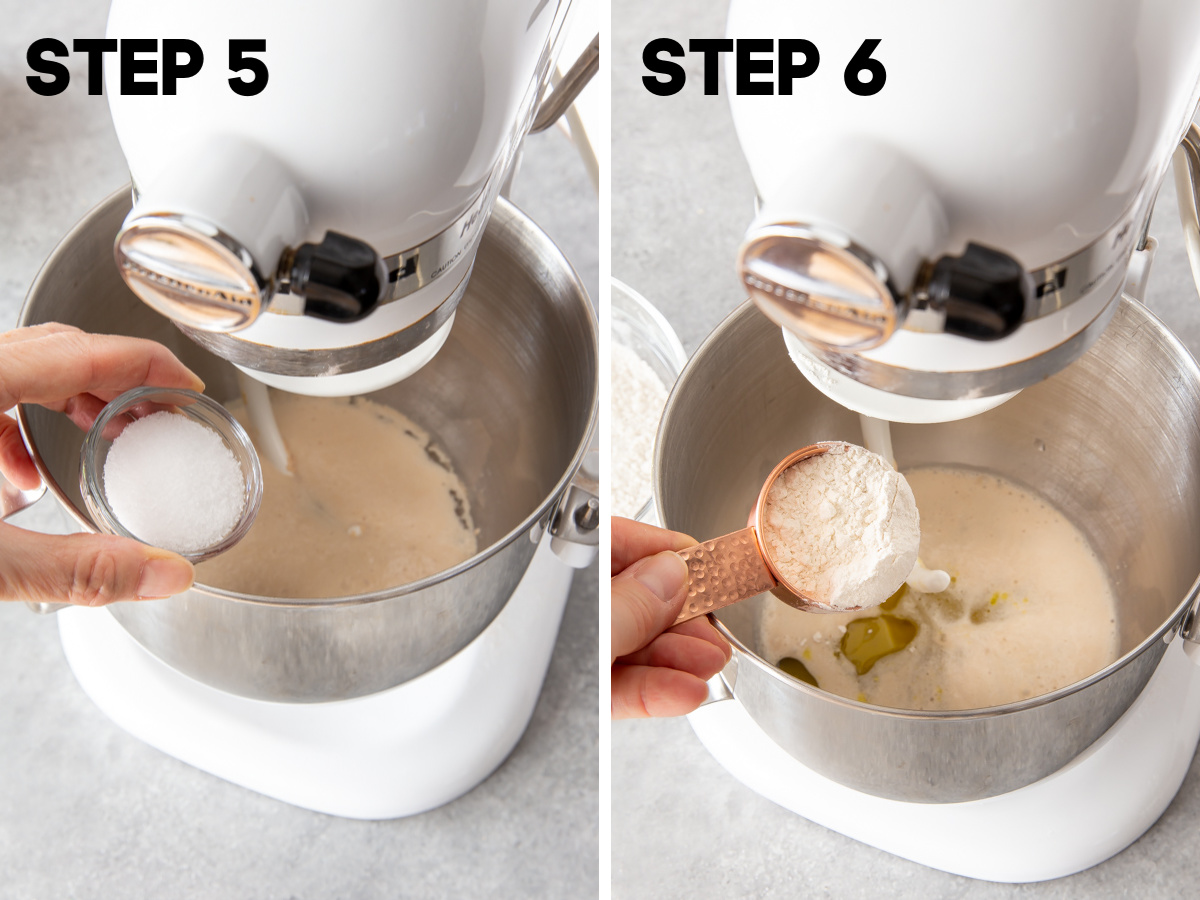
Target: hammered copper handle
{"x": 722, "y": 571}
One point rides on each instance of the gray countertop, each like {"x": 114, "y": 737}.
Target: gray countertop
{"x": 682, "y": 826}
{"x": 86, "y": 811}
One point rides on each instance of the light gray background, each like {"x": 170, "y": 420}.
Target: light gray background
{"x": 682, "y": 826}
{"x": 87, "y": 811}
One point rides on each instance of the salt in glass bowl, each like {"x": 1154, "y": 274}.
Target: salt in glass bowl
{"x": 638, "y": 325}
{"x": 143, "y": 401}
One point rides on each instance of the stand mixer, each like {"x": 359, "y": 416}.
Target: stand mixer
{"x": 936, "y": 246}
{"x": 320, "y": 234}
{"x": 931, "y": 252}
{"x": 332, "y": 261}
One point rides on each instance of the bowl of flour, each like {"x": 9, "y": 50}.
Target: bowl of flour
{"x": 646, "y": 358}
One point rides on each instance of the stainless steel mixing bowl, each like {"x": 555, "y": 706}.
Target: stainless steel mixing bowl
{"x": 510, "y": 397}
{"x": 1113, "y": 441}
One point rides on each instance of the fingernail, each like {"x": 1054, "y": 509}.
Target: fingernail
{"x": 164, "y": 578}
{"x": 664, "y": 574}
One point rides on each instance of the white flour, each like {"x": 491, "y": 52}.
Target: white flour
{"x": 842, "y": 527}
{"x": 638, "y": 398}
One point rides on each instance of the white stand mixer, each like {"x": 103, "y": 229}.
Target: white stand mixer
{"x": 860, "y": 202}
{"x": 934, "y": 247}
{"x": 216, "y": 202}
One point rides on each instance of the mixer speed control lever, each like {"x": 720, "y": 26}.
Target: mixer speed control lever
{"x": 341, "y": 279}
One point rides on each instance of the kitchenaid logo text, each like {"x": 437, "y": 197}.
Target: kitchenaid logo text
{"x": 185, "y": 287}
{"x": 181, "y": 58}
{"x": 794, "y": 58}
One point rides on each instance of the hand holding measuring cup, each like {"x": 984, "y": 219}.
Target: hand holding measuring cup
{"x": 657, "y": 669}
{"x": 835, "y": 529}
{"x": 69, "y": 371}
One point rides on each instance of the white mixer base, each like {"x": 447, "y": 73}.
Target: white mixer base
{"x": 1076, "y": 818}
{"x": 396, "y": 753}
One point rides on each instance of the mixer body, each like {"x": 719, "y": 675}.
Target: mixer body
{"x": 392, "y": 124}
{"x": 1029, "y": 134}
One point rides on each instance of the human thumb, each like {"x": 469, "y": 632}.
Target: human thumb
{"x": 86, "y": 569}
{"x": 646, "y": 599}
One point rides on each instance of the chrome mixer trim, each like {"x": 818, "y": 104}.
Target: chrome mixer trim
{"x": 412, "y": 269}
{"x": 419, "y": 266}
{"x": 966, "y": 385}
{"x": 1059, "y": 284}
{"x": 824, "y": 240}
{"x": 329, "y": 360}
{"x": 408, "y": 270}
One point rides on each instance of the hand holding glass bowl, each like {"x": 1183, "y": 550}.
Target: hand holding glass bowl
{"x": 69, "y": 371}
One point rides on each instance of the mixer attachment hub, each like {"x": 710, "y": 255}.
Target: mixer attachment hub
{"x": 983, "y": 294}
{"x": 341, "y": 279}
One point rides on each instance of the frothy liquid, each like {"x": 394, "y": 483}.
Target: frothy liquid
{"x": 1029, "y": 610}
{"x": 373, "y": 503}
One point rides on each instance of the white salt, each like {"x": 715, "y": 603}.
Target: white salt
{"x": 173, "y": 483}
{"x": 842, "y": 527}
{"x": 638, "y": 398}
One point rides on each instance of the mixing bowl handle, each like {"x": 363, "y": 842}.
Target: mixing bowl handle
{"x": 718, "y": 687}
{"x": 1189, "y": 629}
{"x": 575, "y": 522}
{"x": 13, "y": 499}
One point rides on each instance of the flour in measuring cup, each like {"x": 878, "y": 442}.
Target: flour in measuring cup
{"x": 842, "y": 527}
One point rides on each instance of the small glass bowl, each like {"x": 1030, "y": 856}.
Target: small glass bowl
{"x": 141, "y": 402}
{"x": 638, "y": 325}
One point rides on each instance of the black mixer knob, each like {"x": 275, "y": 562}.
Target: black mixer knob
{"x": 341, "y": 279}
{"x": 984, "y": 293}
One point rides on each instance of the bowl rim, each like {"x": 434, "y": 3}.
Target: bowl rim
{"x": 679, "y": 356}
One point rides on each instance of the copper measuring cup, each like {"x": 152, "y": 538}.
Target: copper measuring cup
{"x": 738, "y": 566}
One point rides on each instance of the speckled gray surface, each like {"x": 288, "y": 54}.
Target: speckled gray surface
{"x": 682, "y": 826}
{"x": 87, "y": 811}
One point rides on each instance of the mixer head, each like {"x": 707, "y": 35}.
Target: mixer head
{"x": 926, "y": 336}
{"x": 321, "y": 232}
{"x": 215, "y": 243}
{"x": 932, "y": 248}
